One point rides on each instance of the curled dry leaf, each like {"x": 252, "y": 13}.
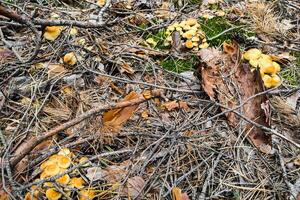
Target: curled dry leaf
{"x": 135, "y": 186}
{"x": 56, "y": 69}
{"x": 114, "y": 119}
{"x": 239, "y": 85}
{"x": 171, "y": 105}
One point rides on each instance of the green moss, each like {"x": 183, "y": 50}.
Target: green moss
{"x": 159, "y": 37}
{"x": 291, "y": 74}
{"x": 215, "y": 26}
{"x": 179, "y": 65}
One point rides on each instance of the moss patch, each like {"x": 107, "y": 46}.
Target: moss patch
{"x": 291, "y": 74}
{"x": 217, "y": 25}
{"x": 179, "y": 65}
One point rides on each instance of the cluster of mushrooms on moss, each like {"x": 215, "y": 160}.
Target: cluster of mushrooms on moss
{"x": 267, "y": 66}
{"x": 69, "y": 184}
{"x": 191, "y": 34}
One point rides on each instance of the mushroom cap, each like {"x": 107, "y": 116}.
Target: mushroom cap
{"x": 253, "y": 62}
{"x": 271, "y": 81}
{"x": 64, "y": 161}
{"x": 52, "y": 194}
{"x": 52, "y": 32}
{"x": 252, "y": 54}
{"x": 189, "y": 44}
{"x": 64, "y": 152}
{"x": 64, "y": 180}
{"x": 77, "y": 182}
{"x": 43, "y": 175}
{"x": 70, "y": 58}
{"x": 191, "y": 21}
{"x": 266, "y": 66}
{"x": 46, "y": 163}
{"x": 277, "y": 67}
{"x": 51, "y": 170}
{"x": 86, "y": 194}
{"x": 196, "y": 39}
{"x": 83, "y": 160}
{"x": 48, "y": 184}
{"x": 204, "y": 45}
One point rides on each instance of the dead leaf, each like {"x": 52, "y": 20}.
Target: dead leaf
{"x": 126, "y": 68}
{"x": 293, "y": 99}
{"x": 238, "y": 77}
{"x": 3, "y": 195}
{"x": 114, "y": 119}
{"x": 56, "y": 69}
{"x": 171, "y": 105}
{"x": 135, "y": 186}
{"x": 178, "y": 195}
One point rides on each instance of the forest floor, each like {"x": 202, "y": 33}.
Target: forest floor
{"x": 115, "y": 100}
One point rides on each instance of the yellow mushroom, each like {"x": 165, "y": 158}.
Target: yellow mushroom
{"x": 253, "y": 62}
{"x": 151, "y": 41}
{"x": 266, "y": 66}
{"x": 271, "y": 81}
{"x": 195, "y": 44}
{"x": 46, "y": 163}
{"x": 73, "y": 31}
{"x": 52, "y": 32}
{"x": 171, "y": 28}
{"x": 64, "y": 152}
{"x": 70, "y": 58}
{"x": 101, "y": 2}
{"x": 64, "y": 162}
{"x": 51, "y": 170}
{"x": 76, "y": 183}
{"x": 196, "y": 39}
{"x": 48, "y": 184}
{"x": 54, "y": 158}
{"x": 52, "y": 194}
{"x": 43, "y": 175}
{"x": 277, "y": 66}
{"x": 86, "y": 194}
{"x": 204, "y": 45}
{"x": 64, "y": 180}
{"x": 189, "y": 44}
{"x": 186, "y": 27}
{"x": 191, "y": 22}
{"x": 252, "y": 54}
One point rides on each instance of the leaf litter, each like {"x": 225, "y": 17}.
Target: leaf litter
{"x": 223, "y": 125}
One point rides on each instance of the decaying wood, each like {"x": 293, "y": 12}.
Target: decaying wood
{"x": 226, "y": 80}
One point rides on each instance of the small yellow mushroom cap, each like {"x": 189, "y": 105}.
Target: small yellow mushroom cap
{"x": 191, "y": 22}
{"x": 43, "y": 175}
{"x": 101, "y": 2}
{"x": 86, "y": 194}
{"x": 151, "y": 41}
{"x": 48, "y": 184}
{"x": 64, "y": 162}
{"x": 252, "y": 54}
{"x": 76, "y": 183}
{"x": 204, "y": 45}
{"x": 52, "y": 32}
{"x": 30, "y": 196}
{"x": 266, "y": 66}
{"x": 73, "y": 31}
{"x": 182, "y": 23}
{"x": 195, "y": 39}
{"x": 195, "y": 44}
{"x": 51, "y": 170}
{"x": 70, "y": 58}
{"x": 52, "y": 194}
{"x": 171, "y": 28}
{"x": 189, "y": 44}
{"x": 54, "y": 158}
{"x": 271, "y": 81}
{"x": 253, "y": 62}
{"x": 187, "y": 35}
{"x": 46, "y": 163}
{"x": 64, "y": 152}
{"x": 64, "y": 180}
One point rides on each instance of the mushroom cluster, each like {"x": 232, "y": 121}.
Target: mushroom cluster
{"x": 267, "y": 66}
{"x": 66, "y": 185}
{"x": 191, "y": 34}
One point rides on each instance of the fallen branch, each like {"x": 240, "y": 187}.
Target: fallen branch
{"x": 30, "y": 144}
{"x": 37, "y": 21}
